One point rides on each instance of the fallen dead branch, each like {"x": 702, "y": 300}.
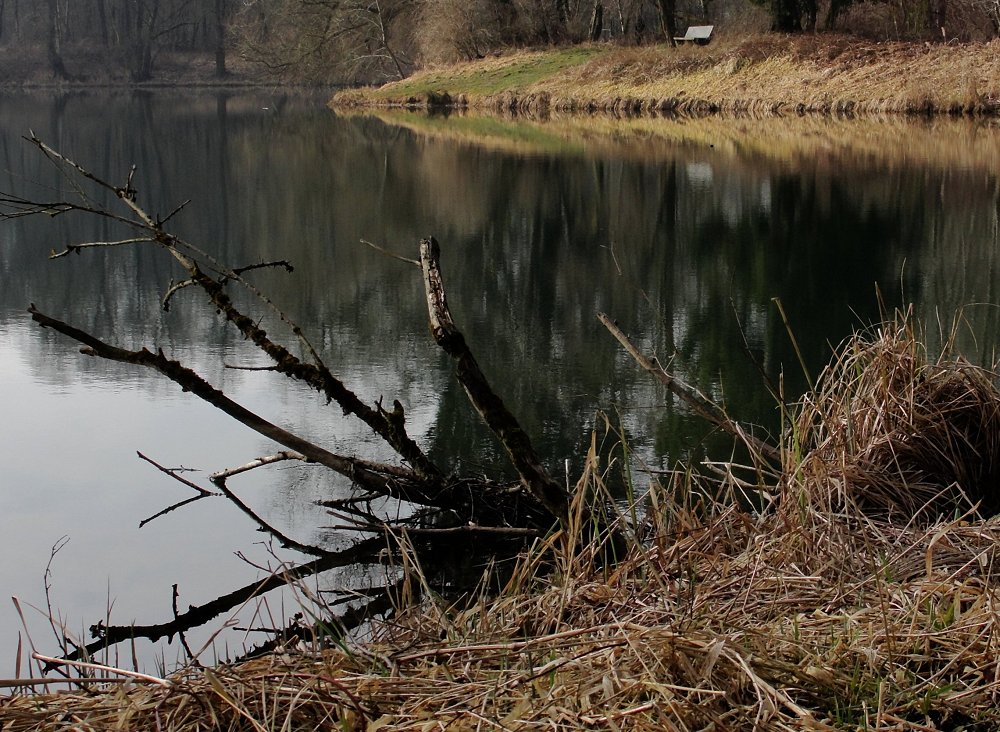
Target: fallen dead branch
{"x": 702, "y": 405}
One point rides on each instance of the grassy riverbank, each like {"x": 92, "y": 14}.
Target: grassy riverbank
{"x": 864, "y": 596}
{"x": 764, "y": 74}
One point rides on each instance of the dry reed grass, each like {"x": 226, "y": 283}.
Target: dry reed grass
{"x": 900, "y": 435}
{"x": 813, "y": 615}
{"x": 761, "y": 74}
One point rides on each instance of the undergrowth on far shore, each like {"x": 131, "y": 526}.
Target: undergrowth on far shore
{"x": 861, "y": 596}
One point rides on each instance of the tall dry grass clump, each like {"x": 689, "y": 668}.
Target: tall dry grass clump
{"x": 898, "y": 435}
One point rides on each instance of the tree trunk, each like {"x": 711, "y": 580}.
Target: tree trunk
{"x": 809, "y": 10}
{"x": 220, "y": 38}
{"x": 597, "y": 21}
{"x": 142, "y": 58}
{"x": 786, "y": 16}
{"x": 668, "y": 20}
{"x": 937, "y": 11}
{"x": 54, "y": 42}
{"x": 102, "y": 20}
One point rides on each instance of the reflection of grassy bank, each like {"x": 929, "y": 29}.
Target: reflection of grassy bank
{"x": 884, "y": 141}
{"x": 768, "y": 74}
{"x": 811, "y": 616}
{"x": 513, "y": 135}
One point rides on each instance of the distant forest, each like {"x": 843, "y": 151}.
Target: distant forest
{"x": 312, "y": 41}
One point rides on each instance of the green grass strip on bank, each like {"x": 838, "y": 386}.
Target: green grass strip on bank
{"x": 487, "y": 78}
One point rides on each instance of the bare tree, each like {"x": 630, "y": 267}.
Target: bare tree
{"x": 314, "y": 39}
{"x": 53, "y": 47}
{"x": 219, "y": 26}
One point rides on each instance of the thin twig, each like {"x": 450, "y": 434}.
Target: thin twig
{"x": 282, "y": 263}
{"x": 389, "y": 254}
{"x": 76, "y": 248}
{"x": 172, "y": 290}
{"x": 172, "y": 472}
{"x": 101, "y": 667}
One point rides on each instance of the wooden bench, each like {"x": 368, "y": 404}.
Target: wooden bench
{"x": 700, "y": 34}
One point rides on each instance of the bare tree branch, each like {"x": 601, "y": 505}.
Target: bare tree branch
{"x": 174, "y": 288}
{"x": 189, "y": 257}
{"x": 192, "y": 382}
{"x": 489, "y": 406}
{"x": 391, "y": 255}
{"x": 173, "y": 473}
{"x": 76, "y": 248}
{"x": 701, "y": 404}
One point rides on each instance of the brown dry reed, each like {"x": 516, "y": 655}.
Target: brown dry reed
{"x": 899, "y": 435}
{"x": 832, "y": 609}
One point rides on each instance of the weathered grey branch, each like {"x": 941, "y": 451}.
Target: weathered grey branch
{"x": 219, "y": 480}
{"x": 190, "y": 381}
{"x": 490, "y": 407}
{"x": 701, "y": 404}
{"x": 316, "y": 374}
{"x": 76, "y": 248}
{"x": 224, "y": 475}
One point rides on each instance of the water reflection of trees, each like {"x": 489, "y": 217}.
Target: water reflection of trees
{"x": 534, "y": 246}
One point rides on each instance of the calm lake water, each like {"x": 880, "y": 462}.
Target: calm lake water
{"x": 682, "y": 231}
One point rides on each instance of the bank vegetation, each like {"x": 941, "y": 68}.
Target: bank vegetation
{"x": 762, "y": 75}
{"x": 88, "y": 42}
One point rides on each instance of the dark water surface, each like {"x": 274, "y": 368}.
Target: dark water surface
{"x": 680, "y": 231}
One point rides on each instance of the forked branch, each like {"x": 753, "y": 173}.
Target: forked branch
{"x": 212, "y": 277}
